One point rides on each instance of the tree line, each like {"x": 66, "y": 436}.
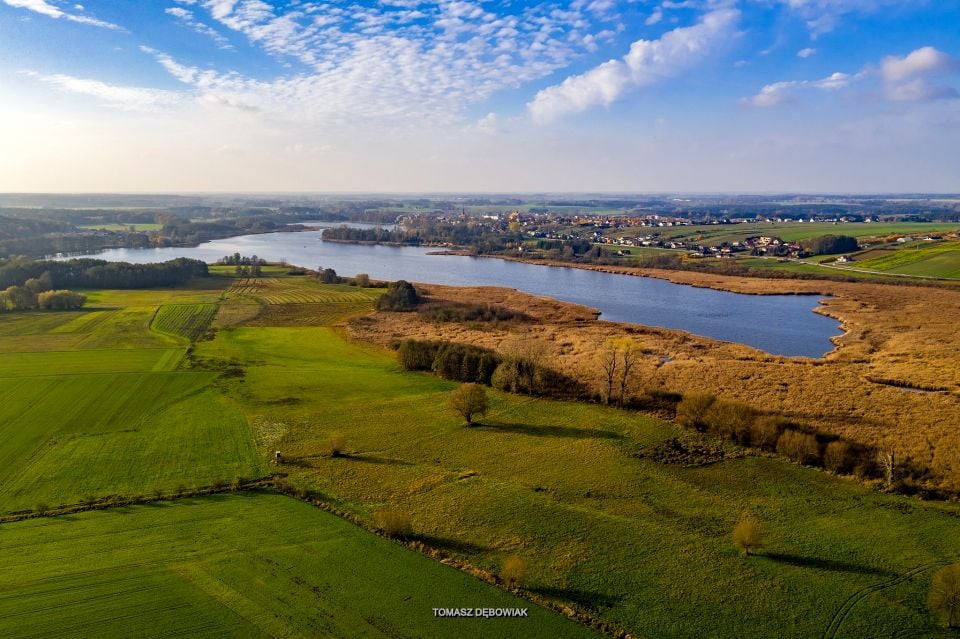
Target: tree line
{"x": 515, "y": 369}
{"x": 92, "y": 273}
{"x": 746, "y": 426}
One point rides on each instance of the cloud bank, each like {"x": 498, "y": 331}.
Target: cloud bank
{"x": 646, "y": 63}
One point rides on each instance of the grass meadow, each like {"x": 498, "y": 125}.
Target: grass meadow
{"x": 245, "y": 565}
{"x": 123, "y": 409}
{"x": 792, "y": 231}
{"x": 638, "y": 543}
{"x": 92, "y": 404}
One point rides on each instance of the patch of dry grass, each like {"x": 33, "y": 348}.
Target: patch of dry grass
{"x": 898, "y": 340}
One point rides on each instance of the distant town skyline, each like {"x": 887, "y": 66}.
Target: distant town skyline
{"x": 698, "y": 96}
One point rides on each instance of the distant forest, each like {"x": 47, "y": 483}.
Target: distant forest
{"x": 89, "y": 273}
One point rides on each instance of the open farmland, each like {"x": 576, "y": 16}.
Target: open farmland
{"x": 940, "y": 259}
{"x": 557, "y": 483}
{"x": 189, "y": 321}
{"x": 568, "y": 487}
{"x": 298, "y": 290}
{"x": 93, "y": 404}
{"x": 791, "y": 231}
{"x": 69, "y": 438}
{"x": 248, "y": 565}
{"x": 292, "y": 301}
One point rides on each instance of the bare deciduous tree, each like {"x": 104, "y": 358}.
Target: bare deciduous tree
{"x": 608, "y": 364}
{"x": 887, "y": 459}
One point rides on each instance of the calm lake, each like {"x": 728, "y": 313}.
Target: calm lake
{"x": 779, "y": 324}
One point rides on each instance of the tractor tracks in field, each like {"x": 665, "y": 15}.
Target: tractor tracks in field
{"x": 851, "y": 602}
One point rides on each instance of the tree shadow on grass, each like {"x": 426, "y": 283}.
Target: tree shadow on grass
{"x": 451, "y": 545}
{"x": 585, "y": 598}
{"x": 548, "y": 431}
{"x": 825, "y": 564}
{"x": 307, "y": 461}
{"x": 373, "y": 459}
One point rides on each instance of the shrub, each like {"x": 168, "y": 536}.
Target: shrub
{"x": 465, "y": 363}
{"x": 329, "y": 276}
{"x": 514, "y": 571}
{"x": 836, "y": 457}
{"x": 401, "y": 296}
{"x": 525, "y": 377}
{"x": 60, "y": 300}
{"x": 800, "y": 447}
{"x": 418, "y": 355}
{"x": 765, "y": 432}
{"x": 335, "y": 446}
{"x": 747, "y": 535}
{"x": 944, "y": 595}
{"x": 831, "y": 244}
{"x": 692, "y": 410}
{"x": 731, "y": 420}
{"x": 362, "y": 280}
{"x": 393, "y": 523}
{"x": 508, "y": 378}
{"x": 462, "y": 312}
{"x": 469, "y": 400}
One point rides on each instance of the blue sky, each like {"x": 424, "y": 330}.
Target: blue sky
{"x": 403, "y": 95}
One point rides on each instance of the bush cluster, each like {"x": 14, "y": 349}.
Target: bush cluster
{"x": 450, "y": 360}
{"x": 401, "y": 296}
{"x": 470, "y": 313}
{"x": 746, "y": 426}
{"x": 472, "y": 364}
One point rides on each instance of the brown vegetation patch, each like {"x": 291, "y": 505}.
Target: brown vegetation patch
{"x": 235, "y": 314}
{"x": 688, "y": 452}
{"x": 902, "y": 333}
{"x": 306, "y": 314}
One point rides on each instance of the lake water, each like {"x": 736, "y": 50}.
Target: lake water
{"x": 779, "y": 324}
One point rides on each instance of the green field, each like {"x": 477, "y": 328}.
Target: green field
{"x": 92, "y": 404}
{"x": 939, "y": 259}
{"x": 248, "y": 565}
{"x": 791, "y": 231}
{"x": 67, "y": 438}
{"x": 122, "y": 409}
{"x": 189, "y": 321}
{"x": 641, "y": 544}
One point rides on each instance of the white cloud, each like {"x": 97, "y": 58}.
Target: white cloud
{"x": 187, "y": 19}
{"x": 487, "y": 125}
{"x": 920, "y": 90}
{"x": 119, "y": 97}
{"x": 45, "y": 8}
{"x": 905, "y": 79}
{"x": 647, "y": 62}
{"x": 806, "y": 53}
{"x": 823, "y": 16}
{"x": 779, "y": 93}
{"x": 397, "y": 60}
{"x": 908, "y": 79}
{"x": 921, "y": 62}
